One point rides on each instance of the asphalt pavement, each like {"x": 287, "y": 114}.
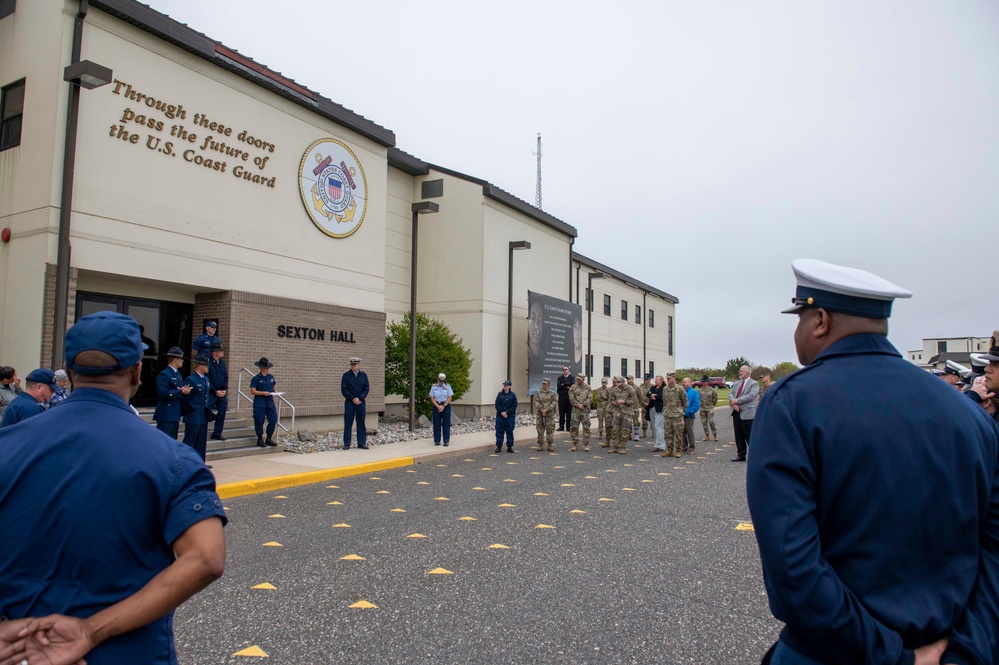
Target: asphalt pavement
{"x": 477, "y": 557}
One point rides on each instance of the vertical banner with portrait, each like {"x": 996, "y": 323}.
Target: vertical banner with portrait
{"x": 554, "y": 339}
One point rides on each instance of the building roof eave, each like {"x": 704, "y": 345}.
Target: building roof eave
{"x": 576, "y": 256}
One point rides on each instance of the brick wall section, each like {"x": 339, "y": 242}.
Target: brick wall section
{"x": 307, "y": 370}
{"x": 48, "y": 313}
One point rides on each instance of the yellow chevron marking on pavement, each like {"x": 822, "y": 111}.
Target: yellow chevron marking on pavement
{"x": 537, "y": 473}
{"x": 578, "y": 512}
{"x": 566, "y": 485}
{"x": 442, "y": 465}
{"x": 512, "y": 462}
{"x": 497, "y": 546}
{"x": 610, "y": 470}
{"x": 280, "y": 497}
{"x": 374, "y": 478}
{"x": 540, "y": 494}
{"x": 416, "y": 535}
{"x": 590, "y": 477}
{"x": 628, "y": 489}
{"x": 275, "y": 515}
{"x": 662, "y": 473}
{"x": 544, "y": 526}
{"x": 629, "y": 465}
{"x": 422, "y": 482}
{"x": 605, "y": 499}
{"x": 341, "y": 525}
{"x": 397, "y": 510}
{"x": 509, "y": 480}
{"x": 507, "y": 505}
{"x": 702, "y": 456}
{"x": 439, "y": 571}
{"x": 708, "y": 454}
{"x": 466, "y": 519}
{"x": 273, "y": 543}
{"x": 383, "y": 492}
{"x": 410, "y": 471}
{"x": 648, "y": 481}
{"x": 363, "y": 605}
{"x": 332, "y": 487}
{"x": 253, "y": 651}
{"x": 558, "y": 467}
{"x": 457, "y": 475}
{"x": 745, "y": 526}
{"x": 676, "y": 468}
{"x": 334, "y": 503}
{"x": 643, "y": 460}
{"x": 442, "y": 498}
{"x": 352, "y": 557}
{"x": 478, "y": 488}
{"x": 534, "y": 458}
{"x": 485, "y": 468}
{"x": 468, "y": 459}
{"x": 265, "y": 585}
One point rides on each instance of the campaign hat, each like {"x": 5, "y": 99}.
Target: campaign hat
{"x": 112, "y": 333}
{"x": 176, "y": 352}
{"x": 46, "y": 377}
{"x": 263, "y": 362}
{"x": 216, "y": 346}
{"x": 841, "y": 289}
{"x": 200, "y": 359}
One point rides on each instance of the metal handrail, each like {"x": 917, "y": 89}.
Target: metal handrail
{"x": 249, "y": 398}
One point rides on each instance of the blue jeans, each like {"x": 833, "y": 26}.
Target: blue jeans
{"x": 442, "y": 420}
{"x": 352, "y": 412}
{"x": 505, "y": 426}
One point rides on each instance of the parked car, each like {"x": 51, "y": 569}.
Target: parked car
{"x": 714, "y": 382}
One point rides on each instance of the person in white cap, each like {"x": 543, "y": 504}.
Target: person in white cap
{"x": 440, "y": 398}
{"x": 984, "y": 389}
{"x": 874, "y": 492}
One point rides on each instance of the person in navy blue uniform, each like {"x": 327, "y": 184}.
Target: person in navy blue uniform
{"x": 116, "y": 525}
{"x": 171, "y": 389}
{"x": 38, "y": 389}
{"x": 354, "y": 387}
{"x": 203, "y": 344}
{"x": 261, "y": 387}
{"x": 196, "y": 418}
{"x": 218, "y": 403}
{"x": 506, "y": 416}
{"x": 874, "y": 492}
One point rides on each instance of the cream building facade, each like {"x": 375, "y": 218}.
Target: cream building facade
{"x": 209, "y": 187}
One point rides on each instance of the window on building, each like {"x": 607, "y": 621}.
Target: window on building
{"x": 624, "y": 310}
{"x": 606, "y": 305}
{"x": 942, "y": 347}
{"x": 589, "y": 300}
{"x": 607, "y": 366}
{"x": 624, "y": 367}
{"x": 652, "y": 319}
{"x": 589, "y": 365}
{"x": 638, "y": 368}
{"x": 652, "y": 369}
{"x": 638, "y": 313}
{"x": 11, "y": 109}
{"x": 669, "y": 333}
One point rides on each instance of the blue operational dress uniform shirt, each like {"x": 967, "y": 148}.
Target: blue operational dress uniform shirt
{"x": 874, "y": 492}
{"x": 439, "y": 393}
{"x": 505, "y": 402}
{"x": 263, "y": 405}
{"x": 203, "y": 344}
{"x": 23, "y": 406}
{"x": 167, "y": 413}
{"x": 352, "y": 386}
{"x": 218, "y": 375}
{"x": 96, "y": 498}
{"x": 196, "y": 421}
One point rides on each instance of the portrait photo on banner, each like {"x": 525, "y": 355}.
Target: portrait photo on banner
{"x": 554, "y": 338}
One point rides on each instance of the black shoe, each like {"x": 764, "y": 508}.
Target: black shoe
{"x": 739, "y": 459}
{"x": 437, "y": 443}
{"x": 510, "y": 450}
{"x": 260, "y": 442}
{"x": 362, "y": 447}
{"x": 218, "y": 437}
{"x": 270, "y": 442}
{"x": 499, "y": 450}
{"x": 346, "y": 447}
{"x": 445, "y": 445}
{"x": 209, "y": 465}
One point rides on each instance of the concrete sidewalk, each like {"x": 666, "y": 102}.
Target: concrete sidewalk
{"x": 263, "y": 473}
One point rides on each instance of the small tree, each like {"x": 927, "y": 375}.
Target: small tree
{"x": 438, "y": 349}
{"x": 733, "y": 365}
{"x": 783, "y": 369}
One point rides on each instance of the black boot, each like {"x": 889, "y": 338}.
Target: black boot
{"x": 270, "y": 442}
{"x": 260, "y": 441}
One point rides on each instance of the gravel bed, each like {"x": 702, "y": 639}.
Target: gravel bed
{"x": 390, "y": 430}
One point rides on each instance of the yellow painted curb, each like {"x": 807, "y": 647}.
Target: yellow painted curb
{"x": 260, "y": 485}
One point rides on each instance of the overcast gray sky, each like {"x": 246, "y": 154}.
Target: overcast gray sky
{"x": 697, "y": 146}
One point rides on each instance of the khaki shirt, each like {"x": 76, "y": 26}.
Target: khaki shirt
{"x": 626, "y": 393}
{"x": 580, "y": 394}
{"x": 546, "y": 399}
{"x": 709, "y": 398}
{"x": 603, "y": 396}
{"x": 674, "y": 401}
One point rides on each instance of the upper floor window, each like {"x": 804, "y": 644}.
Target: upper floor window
{"x": 942, "y": 347}
{"x": 638, "y": 313}
{"x": 652, "y": 319}
{"x": 607, "y": 305}
{"x": 624, "y": 310}
{"x": 11, "y": 109}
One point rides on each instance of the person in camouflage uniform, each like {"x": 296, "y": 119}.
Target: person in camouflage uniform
{"x": 674, "y": 404}
{"x": 546, "y": 414}
{"x": 643, "y": 396}
{"x": 603, "y": 397}
{"x": 636, "y": 418}
{"x": 579, "y": 398}
{"x": 764, "y": 385}
{"x": 709, "y": 399}
{"x": 622, "y": 409}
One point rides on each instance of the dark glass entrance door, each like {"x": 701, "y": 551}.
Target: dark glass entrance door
{"x": 164, "y": 324}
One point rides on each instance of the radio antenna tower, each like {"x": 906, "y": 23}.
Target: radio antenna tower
{"x": 537, "y": 191}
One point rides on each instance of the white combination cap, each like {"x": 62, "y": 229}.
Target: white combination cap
{"x": 842, "y": 289}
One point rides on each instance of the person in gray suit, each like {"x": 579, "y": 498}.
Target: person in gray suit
{"x": 742, "y": 398}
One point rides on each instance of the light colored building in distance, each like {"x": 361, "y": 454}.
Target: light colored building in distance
{"x": 937, "y": 351}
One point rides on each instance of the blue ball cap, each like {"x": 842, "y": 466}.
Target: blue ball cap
{"x": 109, "y": 332}
{"x": 507, "y": 383}
{"x": 43, "y": 376}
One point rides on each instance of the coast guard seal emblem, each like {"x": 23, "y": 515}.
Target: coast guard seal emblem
{"x": 333, "y": 187}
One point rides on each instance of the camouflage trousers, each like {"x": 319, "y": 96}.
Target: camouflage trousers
{"x": 620, "y": 429}
{"x": 636, "y": 423}
{"x": 708, "y": 418}
{"x": 580, "y": 418}
{"x": 546, "y": 429}
{"x": 645, "y": 421}
{"x": 601, "y": 420}
{"x": 673, "y": 433}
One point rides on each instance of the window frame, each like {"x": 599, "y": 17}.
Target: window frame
{"x": 18, "y": 117}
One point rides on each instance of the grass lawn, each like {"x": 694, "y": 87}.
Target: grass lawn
{"x": 722, "y": 397}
